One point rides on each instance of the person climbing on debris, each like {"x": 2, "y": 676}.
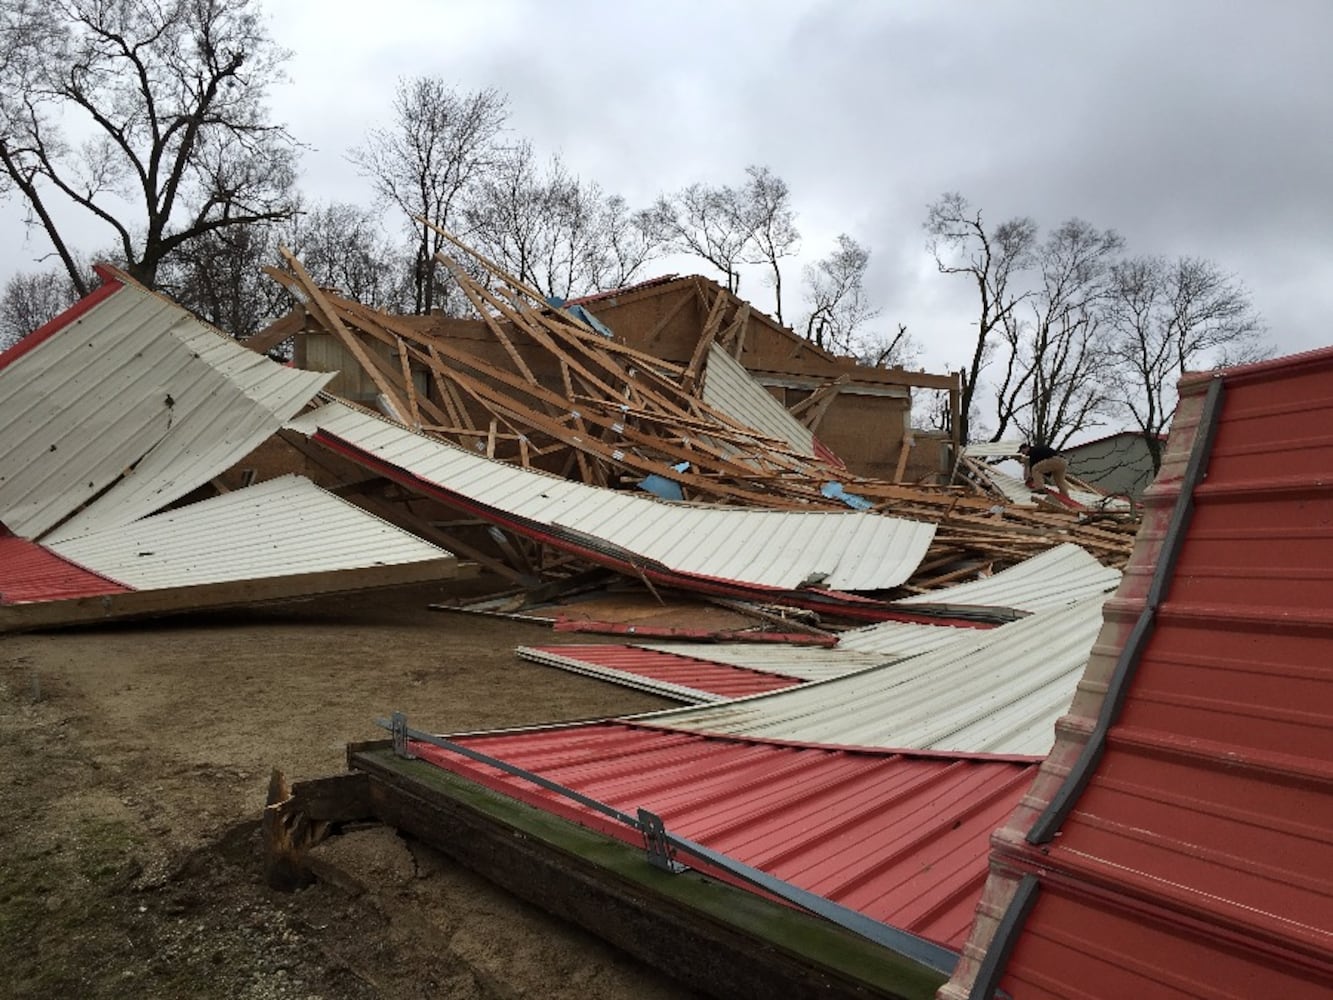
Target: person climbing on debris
{"x": 1038, "y": 462}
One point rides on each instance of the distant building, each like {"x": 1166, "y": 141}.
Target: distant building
{"x": 1119, "y": 464}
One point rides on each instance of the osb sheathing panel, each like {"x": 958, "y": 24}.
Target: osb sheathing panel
{"x": 634, "y": 317}
{"x": 866, "y": 432}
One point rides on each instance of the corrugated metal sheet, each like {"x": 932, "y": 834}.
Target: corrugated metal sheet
{"x": 1197, "y": 859}
{"x": 282, "y": 527}
{"x": 899, "y": 838}
{"x": 130, "y": 404}
{"x": 804, "y": 663}
{"x": 728, "y": 387}
{"x": 1002, "y": 693}
{"x": 694, "y": 672}
{"x": 1053, "y": 579}
{"x": 778, "y": 549}
{"x": 29, "y": 572}
{"x": 899, "y": 640}
{"x": 1062, "y": 576}
{"x": 993, "y": 449}
{"x": 664, "y": 672}
{"x": 1018, "y": 492}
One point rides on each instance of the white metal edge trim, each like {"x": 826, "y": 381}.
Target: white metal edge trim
{"x": 622, "y": 677}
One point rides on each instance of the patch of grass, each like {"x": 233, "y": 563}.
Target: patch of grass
{"x": 56, "y": 904}
{"x": 103, "y": 850}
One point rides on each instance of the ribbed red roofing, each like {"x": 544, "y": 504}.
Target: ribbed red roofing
{"x": 29, "y": 572}
{"x": 685, "y": 671}
{"x": 1198, "y": 858}
{"x": 900, "y": 837}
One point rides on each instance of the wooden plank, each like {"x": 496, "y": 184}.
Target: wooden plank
{"x": 732, "y": 339}
{"x": 799, "y": 407}
{"x": 816, "y": 416}
{"x": 276, "y": 332}
{"x": 584, "y": 469}
{"x": 368, "y": 322}
{"x": 491, "y": 323}
{"x": 908, "y": 441}
{"x": 704, "y": 343}
{"x": 500, "y": 273}
{"x": 409, "y": 384}
{"x": 328, "y": 317}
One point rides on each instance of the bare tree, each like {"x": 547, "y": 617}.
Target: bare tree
{"x": 1054, "y": 379}
{"x": 555, "y": 231}
{"x": 1168, "y": 317}
{"x": 168, "y": 99}
{"x": 991, "y": 258}
{"x": 765, "y": 204}
{"x": 629, "y": 240}
{"x": 343, "y": 246}
{"x": 441, "y": 143}
{"x": 889, "y": 350}
{"x": 30, "y": 300}
{"x": 709, "y": 223}
{"x": 219, "y": 277}
{"x": 835, "y": 291}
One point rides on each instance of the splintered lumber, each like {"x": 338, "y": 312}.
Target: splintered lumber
{"x": 555, "y": 394}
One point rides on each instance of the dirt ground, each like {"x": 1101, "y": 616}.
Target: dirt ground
{"x": 134, "y": 762}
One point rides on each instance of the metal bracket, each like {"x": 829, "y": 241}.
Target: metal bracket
{"x": 399, "y": 731}
{"x": 660, "y": 852}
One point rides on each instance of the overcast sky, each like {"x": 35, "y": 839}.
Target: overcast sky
{"x": 1198, "y": 127}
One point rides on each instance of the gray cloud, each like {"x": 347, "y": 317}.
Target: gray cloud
{"x": 1193, "y": 127}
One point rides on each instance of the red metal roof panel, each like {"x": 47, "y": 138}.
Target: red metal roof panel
{"x": 1196, "y": 859}
{"x": 900, "y": 837}
{"x": 718, "y": 679}
{"x": 29, "y": 572}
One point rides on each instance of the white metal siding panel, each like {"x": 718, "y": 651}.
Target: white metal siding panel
{"x": 801, "y": 662}
{"x": 850, "y": 550}
{"x": 1000, "y": 694}
{"x": 1018, "y": 492}
{"x": 1054, "y": 578}
{"x": 809, "y": 664}
{"x": 993, "y": 449}
{"x": 72, "y": 425}
{"x": 134, "y": 385}
{"x": 613, "y": 676}
{"x": 902, "y": 639}
{"x": 282, "y": 527}
{"x": 728, "y": 387}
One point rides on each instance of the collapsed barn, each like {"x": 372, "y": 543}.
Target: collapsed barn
{"x": 923, "y": 622}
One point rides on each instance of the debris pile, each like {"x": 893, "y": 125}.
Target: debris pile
{"x": 544, "y": 387}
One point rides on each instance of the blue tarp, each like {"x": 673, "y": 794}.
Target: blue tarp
{"x": 661, "y": 486}
{"x": 834, "y": 491}
{"x": 578, "y": 312}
